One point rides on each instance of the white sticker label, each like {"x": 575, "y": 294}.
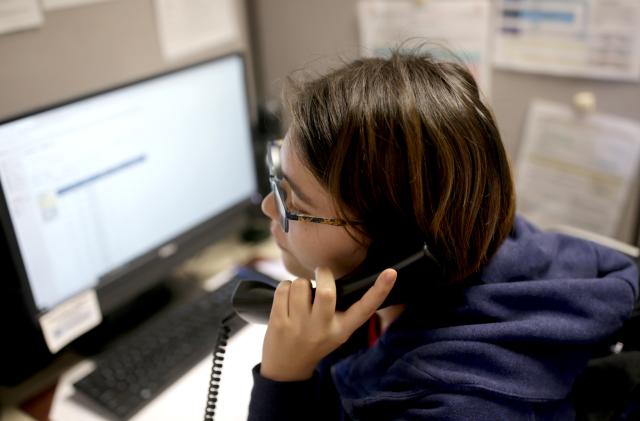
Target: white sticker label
{"x": 70, "y": 319}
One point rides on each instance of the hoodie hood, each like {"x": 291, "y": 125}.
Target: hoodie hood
{"x": 522, "y": 329}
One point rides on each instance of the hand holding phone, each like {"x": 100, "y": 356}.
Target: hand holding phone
{"x": 253, "y": 297}
{"x": 304, "y": 329}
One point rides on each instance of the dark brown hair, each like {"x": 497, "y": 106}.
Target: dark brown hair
{"x": 407, "y": 146}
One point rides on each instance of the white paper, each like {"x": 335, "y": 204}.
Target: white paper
{"x": 577, "y": 170}
{"x": 19, "y": 14}
{"x": 50, "y": 5}
{"x": 462, "y": 26}
{"x": 190, "y": 26}
{"x": 69, "y": 320}
{"x": 587, "y": 38}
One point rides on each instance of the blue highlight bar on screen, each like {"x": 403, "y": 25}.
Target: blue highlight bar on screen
{"x": 540, "y": 15}
{"x": 94, "y": 177}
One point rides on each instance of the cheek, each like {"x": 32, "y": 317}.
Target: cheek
{"x": 322, "y": 246}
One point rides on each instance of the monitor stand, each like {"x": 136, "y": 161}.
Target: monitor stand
{"x": 159, "y": 298}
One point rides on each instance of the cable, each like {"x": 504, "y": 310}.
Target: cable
{"x": 216, "y": 368}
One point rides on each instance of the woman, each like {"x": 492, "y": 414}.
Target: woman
{"x": 385, "y": 156}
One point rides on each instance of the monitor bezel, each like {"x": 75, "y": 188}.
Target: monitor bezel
{"x": 133, "y": 278}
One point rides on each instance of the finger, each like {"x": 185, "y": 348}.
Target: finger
{"x": 280, "y": 306}
{"x": 300, "y": 299}
{"x": 363, "y": 309}
{"x": 324, "y": 304}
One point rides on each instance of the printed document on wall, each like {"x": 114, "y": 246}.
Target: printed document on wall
{"x": 16, "y": 15}
{"x": 577, "y": 170}
{"x": 50, "y": 5}
{"x": 462, "y": 26}
{"x": 587, "y": 38}
{"x": 191, "y": 26}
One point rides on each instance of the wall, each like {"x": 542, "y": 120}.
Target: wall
{"x": 307, "y": 34}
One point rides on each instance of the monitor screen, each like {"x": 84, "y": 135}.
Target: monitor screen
{"x": 101, "y": 189}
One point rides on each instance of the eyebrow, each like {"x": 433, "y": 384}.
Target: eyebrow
{"x": 298, "y": 192}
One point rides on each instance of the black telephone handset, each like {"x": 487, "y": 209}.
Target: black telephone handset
{"x": 253, "y": 296}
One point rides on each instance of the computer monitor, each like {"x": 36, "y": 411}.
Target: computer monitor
{"x": 108, "y": 193}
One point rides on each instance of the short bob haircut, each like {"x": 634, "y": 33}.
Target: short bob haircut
{"x": 406, "y": 146}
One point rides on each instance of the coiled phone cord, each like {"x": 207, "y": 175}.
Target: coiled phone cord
{"x": 216, "y": 368}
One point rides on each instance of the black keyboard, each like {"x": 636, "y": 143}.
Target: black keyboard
{"x": 157, "y": 353}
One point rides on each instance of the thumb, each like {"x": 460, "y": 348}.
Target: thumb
{"x": 363, "y": 309}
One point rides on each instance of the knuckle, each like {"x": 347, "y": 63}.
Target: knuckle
{"x": 283, "y": 285}
{"x": 300, "y": 283}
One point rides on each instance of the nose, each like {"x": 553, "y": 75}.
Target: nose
{"x": 268, "y": 207}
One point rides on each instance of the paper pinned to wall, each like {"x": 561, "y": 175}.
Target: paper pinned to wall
{"x": 16, "y": 15}
{"x": 50, "y": 5}
{"x": 577, "y": 170}
{"x": 587, "y": 38}
{"x": 190, "y": 26}
{"x": 463, "y": 26}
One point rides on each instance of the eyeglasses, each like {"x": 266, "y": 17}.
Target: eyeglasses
{"x": 275, "y": 179}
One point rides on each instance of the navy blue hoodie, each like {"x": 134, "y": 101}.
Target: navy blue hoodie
{"x": 506, "y": 347}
